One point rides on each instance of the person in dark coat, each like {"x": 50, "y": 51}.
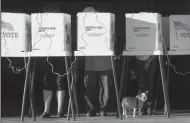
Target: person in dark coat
{"x": 145, "y": 69}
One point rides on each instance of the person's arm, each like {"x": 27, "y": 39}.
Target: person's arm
{"x": 132, "y": 68}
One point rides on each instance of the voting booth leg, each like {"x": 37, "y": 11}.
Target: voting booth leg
{"x": 69, "y": 110}
{"x": 167, "y": 84}
{"x": 122, "y": 79}
{"x": 116, "y": 87}
{"x": 29, "y": 97}
{"x": 164, "y": 84}
{"x": 74, "y": 90}
{"x": 74, "y": 81}
{"x": 69, "y": 86}
{"x": 32, "y": 104}
{"x": 25, "y": 89}
{"x": 69, "y": 106}
{"x": 75, "y": 97}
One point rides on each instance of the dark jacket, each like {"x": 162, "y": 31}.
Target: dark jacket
{"x": 98, "y": 63}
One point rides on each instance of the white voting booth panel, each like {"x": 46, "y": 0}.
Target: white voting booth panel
{"x": 15, "y": 34}
{"x": 51, "y": 33}
{"x": 95, "y": 31}
{"x": 179, "y": 32}
{"x": 143, "y": 31}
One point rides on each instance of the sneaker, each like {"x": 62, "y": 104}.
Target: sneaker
{"x": 60, "y": 115}
{"x": 103, "y": 113}
{"x": 91, "y": 114}
{"x": 45, "y": 115}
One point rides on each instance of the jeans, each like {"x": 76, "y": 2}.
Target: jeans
{"x": 97, "y": 85}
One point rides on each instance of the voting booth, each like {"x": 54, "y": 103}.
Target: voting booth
{"x": 179, "y": 32}
{"x": 51, "y": 33}
{"x": 15, "y": 33}
{"x": 176, "y": 32}
{"x": 143, "y": 31}
{"x": 51, "y": 37}
{"x": 95, "y": 31}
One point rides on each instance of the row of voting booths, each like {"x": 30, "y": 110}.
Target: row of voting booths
{"x": 49, "y": 35}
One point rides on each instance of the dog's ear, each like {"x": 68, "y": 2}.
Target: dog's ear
{"x": 146, "y": 92}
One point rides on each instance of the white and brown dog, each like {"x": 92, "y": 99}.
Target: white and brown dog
{"x": 134, "y": 103}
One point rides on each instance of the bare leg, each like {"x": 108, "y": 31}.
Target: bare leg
{"x": 123, "y": 110}
{"x": 60, "y": 99}
{"x": 126, "y": 115}
{"x": 134, "y": 112}
{"x": 47, "y": 100}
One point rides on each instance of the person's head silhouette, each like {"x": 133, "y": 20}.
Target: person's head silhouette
{"x": 52, "y": 8}
{"x": 89, "y": 9}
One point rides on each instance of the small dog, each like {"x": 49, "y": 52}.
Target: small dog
{"x": 129, "y": 103}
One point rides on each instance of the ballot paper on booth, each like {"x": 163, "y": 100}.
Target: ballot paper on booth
{"x": 143, "y": 31}
{"x": 51, "y": 33}
{"x": 95, "y": 31}
{"x": 179, "y": 32}
{"x": 15, "y": 33}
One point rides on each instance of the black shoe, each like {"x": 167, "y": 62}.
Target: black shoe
{"x": 103, "y": 113}
{"x": 60, "y": 115}
{"x": 91, "y": 114}
{"x": 45, "y": 115}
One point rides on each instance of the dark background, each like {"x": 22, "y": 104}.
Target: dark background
{"x": 12, "y": 84}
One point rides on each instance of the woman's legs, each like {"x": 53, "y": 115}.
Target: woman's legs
{"x": 47, "y": 101}
{"x": 60, "y": 98}
{"x": 60, "y": 94}
{"x": 47, "y": 95}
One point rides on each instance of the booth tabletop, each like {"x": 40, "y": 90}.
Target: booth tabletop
{"x": 179, "y": 52}
{"x": 93, "y": 53}
{"x": 37, "y": 54}
{"x": 135, "y": 53}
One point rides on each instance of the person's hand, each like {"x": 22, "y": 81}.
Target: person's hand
{"x": 133, "y": 75}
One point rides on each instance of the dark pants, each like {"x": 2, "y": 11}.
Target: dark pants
{"x": 147, "y": 77}
{"x": 97, "y": 85}
{"x": 54, "y": 82}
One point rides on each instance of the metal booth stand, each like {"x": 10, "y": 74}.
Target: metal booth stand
{"x": 87, "y": 53}
{"x": 29, "y": 80}
{"x": 158, "y": 53}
